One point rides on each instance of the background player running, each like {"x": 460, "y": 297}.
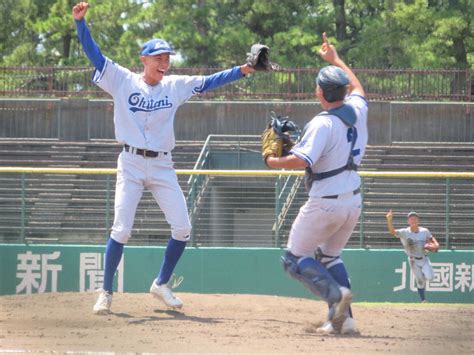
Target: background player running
{"x": 332, "y": 146}
{"x": 416, "y": 241}
{"x": 144, "y": 109}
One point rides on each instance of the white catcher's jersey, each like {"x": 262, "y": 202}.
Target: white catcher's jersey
{"x": 414, "y": 243}
{"x": 144, "y": 114}
{"x": 325, "y": 146}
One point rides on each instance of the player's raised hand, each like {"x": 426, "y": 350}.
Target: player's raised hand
{"x": 328, "y": 51}
{"x": 80, "y": 10}
{"x": 389, "y": 214}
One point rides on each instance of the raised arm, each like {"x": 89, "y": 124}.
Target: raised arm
{"x": 389, "y": 217}
{"x": 328, "y": 53}
{"x": 91, "y": 48}
{"x": 224, "y": 77}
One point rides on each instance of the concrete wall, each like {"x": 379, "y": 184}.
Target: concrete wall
{"x": 79, "y": 120}
{"x": 376, "y": 275}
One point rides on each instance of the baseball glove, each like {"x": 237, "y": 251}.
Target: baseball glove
{"x": 279, "y": 137}
{"x": 259, "y": 58}
{"x": 432, "y": 247}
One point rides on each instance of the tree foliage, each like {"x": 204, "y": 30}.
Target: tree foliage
{"x": 368, "y": 33}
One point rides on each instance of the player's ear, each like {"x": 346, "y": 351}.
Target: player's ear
{"x": 143, "y": 59}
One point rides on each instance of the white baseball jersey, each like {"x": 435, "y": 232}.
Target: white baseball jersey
{"x": 325, "y": 146}
{"x": 414, "y": 243}
{"x": 144, "y": 114}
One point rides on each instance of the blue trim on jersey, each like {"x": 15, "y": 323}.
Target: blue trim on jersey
{"x": 98, "y": 74}
{"x": 219, "y": 79}
{"x": 303, "y": 157}
{"x": 91, "y": 48}
{"x": 362, "y": 97}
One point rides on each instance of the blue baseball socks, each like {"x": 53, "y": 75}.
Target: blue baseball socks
{"x": 113, "y": 255}
{"x": 173, "y": 253}
{"x": 421, "y": 292}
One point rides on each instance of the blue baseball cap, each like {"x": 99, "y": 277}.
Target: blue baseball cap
{"x": 156, "y": 46}
{"x": 413, "y": 213}
{"x": 332, "y": 77}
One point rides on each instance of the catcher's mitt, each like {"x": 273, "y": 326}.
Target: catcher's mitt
{"x": 279, "y": 137}
{"x": 259, "y": 58}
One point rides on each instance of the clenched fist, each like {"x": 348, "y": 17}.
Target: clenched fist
{"x": 79, "y": 11}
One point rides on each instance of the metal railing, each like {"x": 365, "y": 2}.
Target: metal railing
{"x": 286, "y": 190}
{"x": 197, "y": 183}
{"x": 35, "y": 207}
{"x": 291, "y": 83}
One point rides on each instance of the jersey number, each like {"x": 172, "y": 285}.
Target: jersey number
{"x": 350, "y": 133}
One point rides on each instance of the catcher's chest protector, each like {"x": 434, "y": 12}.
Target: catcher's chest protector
{"x": 347, "y": 115}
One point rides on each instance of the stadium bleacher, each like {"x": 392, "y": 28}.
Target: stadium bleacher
{"x": 232, "y": 212}
{"x": 73, "y": 208}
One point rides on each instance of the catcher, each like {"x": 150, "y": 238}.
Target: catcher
{"x": 330, "y": 150}
{"x": 416, "y": 241}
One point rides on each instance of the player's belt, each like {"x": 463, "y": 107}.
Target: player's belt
{"x": 143, "y": 152}
{"x": 355, "y": 192}
{"x": 416, "y": 257}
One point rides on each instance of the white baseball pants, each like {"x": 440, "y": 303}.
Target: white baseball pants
{"x": 134, "y": 173}
{"x": 422, "y": 270}
{"x": 324, "y": 223}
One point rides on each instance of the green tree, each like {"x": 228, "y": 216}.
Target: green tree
{"x": 368, "y": 33}
{"x": 416, "y": 34}
{"x": 437, "y": 34}
{"x": 19, "y": 41}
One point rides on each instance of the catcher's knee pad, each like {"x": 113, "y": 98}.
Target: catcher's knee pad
{"x": 290, "y": 265}
{"x": 313, "y": 275}
{"x": 182, "y": 234}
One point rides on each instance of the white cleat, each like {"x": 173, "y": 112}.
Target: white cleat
{"x": 341, "y": 309}
{"x": 348, "y": 327}
{"x": 104, "y": 301}
{"x": 325, "y": 329}
{"x": 163, "y": 292}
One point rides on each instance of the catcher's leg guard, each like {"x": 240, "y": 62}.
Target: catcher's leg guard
{"x": 339, "y": 273}
{"x": 313, "y": 275}
{"x": 337, "y": 269}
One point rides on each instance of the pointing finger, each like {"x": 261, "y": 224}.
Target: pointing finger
{"x": 325, "y": 38}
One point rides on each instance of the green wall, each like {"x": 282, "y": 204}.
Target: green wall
{"x": 377, "y": 275}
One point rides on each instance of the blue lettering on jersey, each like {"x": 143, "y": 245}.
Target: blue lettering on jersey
{"x": 138, "y": 103}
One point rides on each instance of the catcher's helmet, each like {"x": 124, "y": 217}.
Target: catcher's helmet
{"x": 333, "y": 82}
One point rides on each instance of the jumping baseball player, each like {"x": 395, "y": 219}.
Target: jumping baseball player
{"x": 144, "y": 109}
{"x": 416, "y": 241}
{"x": 331, "y": 148}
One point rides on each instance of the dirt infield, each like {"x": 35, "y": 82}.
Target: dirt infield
{"x": 226, "y": 323}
